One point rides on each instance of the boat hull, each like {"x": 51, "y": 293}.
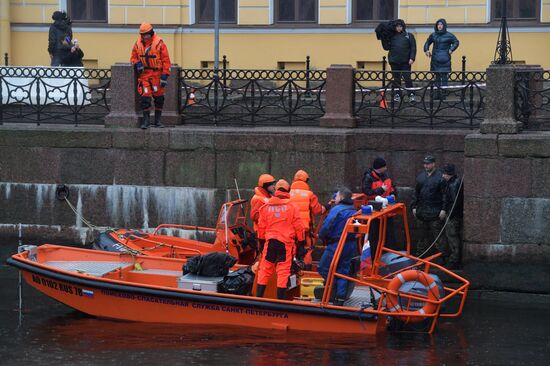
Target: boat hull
{"x": 107, "y": 299}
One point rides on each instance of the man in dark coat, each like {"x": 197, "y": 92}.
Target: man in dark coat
{"x": 454, "y": 192}
{"x": 444, "y": 44}
{"x": 60, "y": 30}
{"x": 401, "y": 56}
{"x": 428, "y": 207}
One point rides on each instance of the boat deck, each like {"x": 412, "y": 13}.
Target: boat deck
{"x": 362, "y": 297}
{"x": 94, "y": 268}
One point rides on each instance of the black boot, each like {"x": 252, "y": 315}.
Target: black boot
{"x": 260, "y": 289}
{"x": 157, "y": 119}
{"x": 145, "y": 122}
{"x": 281, "y": 293}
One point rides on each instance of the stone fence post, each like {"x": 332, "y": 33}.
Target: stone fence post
{"x": 125, "y": 106}
{"x": 339, "y": 97}
{"x": 499, "y": 111}
{"x": 125, "y": 111}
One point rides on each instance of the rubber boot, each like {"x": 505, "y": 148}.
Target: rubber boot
{"x": 260, "y": 289}
{"x": 158, "y": 114}
{"x": 145, "y": 122}
{"x": 281, "y": 293}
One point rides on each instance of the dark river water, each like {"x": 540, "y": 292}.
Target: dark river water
{"x": 490, "y": 332}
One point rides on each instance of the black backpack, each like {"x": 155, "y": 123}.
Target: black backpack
{"x": 238, "y": 282}
{"x": 214, "y": 264}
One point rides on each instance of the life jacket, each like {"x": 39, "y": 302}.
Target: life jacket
{"x": 280, "y": 219}
{"x": 378, "y": 183}
{"x": 153, "y": 55}
{"x": 306, "y": 201}
{"x": 260, "y": 198}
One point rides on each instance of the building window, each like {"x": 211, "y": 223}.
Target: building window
{"x": 516, "y": 9}
{"x": 297, "y": 10}
{"x": 228, "y": 11}
{"x": 367, "y": 10}
{"x": 87, "y": 10}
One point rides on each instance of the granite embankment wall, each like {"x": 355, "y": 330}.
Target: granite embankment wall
{"x": 130, "y": 178}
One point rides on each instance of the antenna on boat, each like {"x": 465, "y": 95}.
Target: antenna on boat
{"x": 237, "y": 185}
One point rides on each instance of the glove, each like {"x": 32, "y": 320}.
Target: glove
{"x": 139, "y": 67}
{"x": 163, "y": 80}
{"x": 301, "y": 250}
{"x": 442, "y": 214}
{"x": 414, "y": 212}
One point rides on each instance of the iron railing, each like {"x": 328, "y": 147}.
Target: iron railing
{"x": 532, "y": 99}
{"x": 54, "y": 95}
{"x": 252, "y": 97}
{"x": 381, "y": 102}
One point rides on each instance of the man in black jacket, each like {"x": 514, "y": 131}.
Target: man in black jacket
{"x": 401, "y": 57}
{"x": 428, "y": 207}
{"x": 60, "y": 30}
{"x": 453, "y": 192}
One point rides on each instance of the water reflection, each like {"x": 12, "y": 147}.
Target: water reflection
{"x": 489, "y": 332}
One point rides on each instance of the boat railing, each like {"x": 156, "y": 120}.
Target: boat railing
{"x": 359, "y": 225}
{"x": 158, "y": 244}
{"x": 184, "y": 227}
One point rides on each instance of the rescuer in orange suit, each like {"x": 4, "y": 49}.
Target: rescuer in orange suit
{"x": 262, "y": 193}
{"x": 309, "y": 206}
{"x": 280, "y": 226}
{"x": 152, "y": 62}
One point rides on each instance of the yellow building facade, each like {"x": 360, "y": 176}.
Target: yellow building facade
{"x": 270, "y": 34}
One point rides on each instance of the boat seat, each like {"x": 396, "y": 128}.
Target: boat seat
{"x": 93, "y": 268}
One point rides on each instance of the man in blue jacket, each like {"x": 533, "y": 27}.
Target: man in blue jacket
{"x": 330, "y": 232}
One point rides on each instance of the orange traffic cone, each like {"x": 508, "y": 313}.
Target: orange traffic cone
{"x": 191, "y": 99}
{"x": 382, "y": 104}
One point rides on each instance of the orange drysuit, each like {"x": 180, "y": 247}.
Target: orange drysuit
{"x": 280, "y": 226}
{"x": 309, "y": 206}
{"x": 154, "y": 57}
{"x": 260, "y": 198}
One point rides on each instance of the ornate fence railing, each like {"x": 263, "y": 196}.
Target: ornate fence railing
{"x": 532, "y": 99}
{"x": 381, "y": 102}
{"x": 252, "y": 97}
{"x": 54, "y": 95}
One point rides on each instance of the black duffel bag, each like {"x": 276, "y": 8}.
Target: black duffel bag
{"x": 238, "y": 283}
{"x": 213, "y": 264}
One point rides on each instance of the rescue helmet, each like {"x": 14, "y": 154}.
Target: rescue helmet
{"x": 282, "y": 185}
{"x": 145, "y": 28}
{"x": 301, "y": 175}
{"x": 265, "y": 180}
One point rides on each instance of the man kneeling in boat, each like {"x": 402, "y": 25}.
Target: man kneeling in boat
{"x": 330, "y": 232}
{"x": 279, "y": 224}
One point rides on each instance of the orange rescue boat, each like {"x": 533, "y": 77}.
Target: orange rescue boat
{"x": 131, "y": 287}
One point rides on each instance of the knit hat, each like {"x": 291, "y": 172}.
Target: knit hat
{"x": 448, "y": 169}
{"x": 378, "y": 163}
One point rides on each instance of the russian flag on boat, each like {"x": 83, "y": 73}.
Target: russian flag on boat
{"x": 366, "y": 257}
{"x": 87, "y": 293}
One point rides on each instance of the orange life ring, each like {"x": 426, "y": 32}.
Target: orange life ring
{"x": 392, "y": 301}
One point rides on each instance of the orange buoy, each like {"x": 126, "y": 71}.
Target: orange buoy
{"x": 392, "y": 301}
